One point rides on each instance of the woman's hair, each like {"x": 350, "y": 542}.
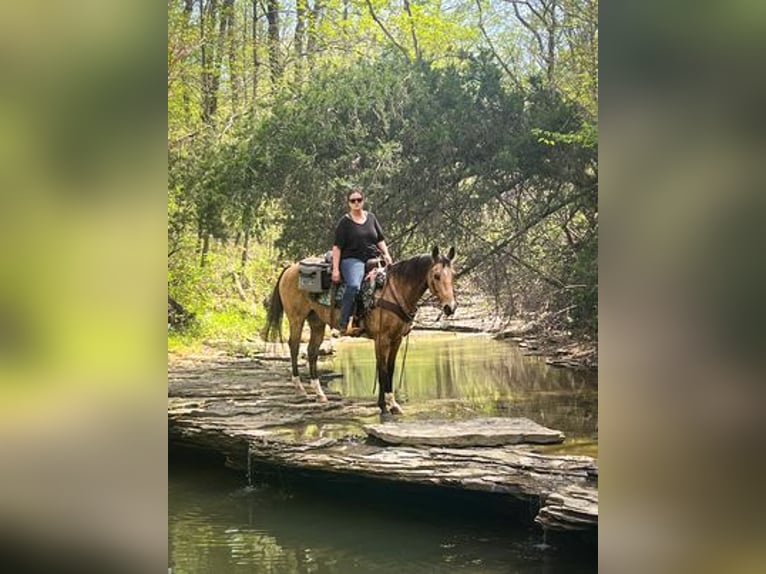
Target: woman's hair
{"x": 355, "y": 189}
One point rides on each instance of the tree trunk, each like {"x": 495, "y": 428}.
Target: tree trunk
{"x": 551, "y": 48}
{"x": 218, "y": 59}
{"x": 415, "y": 45}
{"x": 205, "y": 249}
{"x": 301, "y": 7}
{"x": 178, "y": 316}
{"x": 256, "y": 61}
{"x": 539, "y": 18}
{"x": 233, "y": 66}
{"x": 313, "y": 24}
{"x": 188, "y": 6}
{"x": 245, "y": 248}
{"x": 244, "y": 44}
{"x": 272, "y": 15}
{"x": 209, "y": 65}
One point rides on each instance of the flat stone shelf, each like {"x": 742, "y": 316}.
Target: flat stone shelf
{"x": 572, "y": 508}
{"x": 485, "y": 431}
{"x": 247, "y": 410}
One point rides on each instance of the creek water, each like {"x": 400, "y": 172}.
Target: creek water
{"x": 309, "y": 524}
{"x": 456, "y": 376}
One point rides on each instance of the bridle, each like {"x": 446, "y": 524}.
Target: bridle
{"x": 397, "y": 306}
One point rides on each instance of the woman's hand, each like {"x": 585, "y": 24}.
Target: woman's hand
{"x": 335, "y": 276}
{"x": 388, "y": 260}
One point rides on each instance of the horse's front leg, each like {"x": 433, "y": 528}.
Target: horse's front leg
{"x": 382, "y": 347}
{"x": 385, "y": 356}
{"x": 393, "y": 407}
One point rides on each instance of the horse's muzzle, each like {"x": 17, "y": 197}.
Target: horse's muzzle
{"x": 449, "y": 308}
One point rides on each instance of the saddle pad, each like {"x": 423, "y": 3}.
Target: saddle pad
{"x": 323, "y": 298}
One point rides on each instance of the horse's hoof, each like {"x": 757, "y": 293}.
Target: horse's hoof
{"x": 299, "y": 388}
{"x": 317, "y": 388}
{"x": 391, "y": 405}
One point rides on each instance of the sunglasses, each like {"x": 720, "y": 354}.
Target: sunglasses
{"x": 356, "y": 200}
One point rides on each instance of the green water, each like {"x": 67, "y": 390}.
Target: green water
{"x": 459, "y": 376}
{"x": 218, "y": 524}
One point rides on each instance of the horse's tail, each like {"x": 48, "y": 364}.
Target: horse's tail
{"x": 274, "y": 316}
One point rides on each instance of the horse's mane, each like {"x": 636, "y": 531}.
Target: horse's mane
{"x": 415, "y": 268}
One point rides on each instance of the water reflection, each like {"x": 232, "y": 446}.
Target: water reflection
{"x": 217, "y": 526}
{"x": 460, "y": 376}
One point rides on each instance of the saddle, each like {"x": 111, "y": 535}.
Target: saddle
{"x": 328, "y": 294}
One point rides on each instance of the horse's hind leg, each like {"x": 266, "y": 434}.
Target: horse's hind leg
{"x": 317, "y": 336}
{"x": 294, "y": 342}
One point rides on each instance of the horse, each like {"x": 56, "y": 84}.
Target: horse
{"x": 387, "y": 322}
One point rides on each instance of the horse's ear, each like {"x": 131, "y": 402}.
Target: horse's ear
{"x": 435, "y": 252}
{"x": 451, "y": 254}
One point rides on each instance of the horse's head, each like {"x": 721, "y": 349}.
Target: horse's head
{"x": 439, "y": 280}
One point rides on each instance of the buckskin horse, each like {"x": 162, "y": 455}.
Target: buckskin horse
{"x": 387, "y": 322}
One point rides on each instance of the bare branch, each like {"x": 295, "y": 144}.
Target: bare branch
{"x": 492, "y": 47}
{"x": 529, "y": 27}
{"x": 529, "y": 225}
{"x": 412, "y": 30}
{"x": 386, "y": 32}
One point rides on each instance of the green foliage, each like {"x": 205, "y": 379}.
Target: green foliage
{"x": 457, "y": 135}
{"x": 402, "y": 131}
{"x": 226, "y": 298}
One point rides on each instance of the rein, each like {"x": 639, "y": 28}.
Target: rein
{"x": 400, "y": 311}
{"x": 396, "y": 305}
{"x": 404, "y": 361}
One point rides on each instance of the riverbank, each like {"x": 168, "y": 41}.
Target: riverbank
{"x": 476, "y": 315}
{"x": 244, "y": 410}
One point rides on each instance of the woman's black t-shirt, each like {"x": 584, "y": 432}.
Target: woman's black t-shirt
{"x": 358, "y": 240}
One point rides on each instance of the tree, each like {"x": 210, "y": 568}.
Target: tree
{"x": 275, "y": 63}
{"x": 473, "y": 124}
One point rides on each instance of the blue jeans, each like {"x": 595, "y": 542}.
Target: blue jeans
{"x": 352, "y": 271}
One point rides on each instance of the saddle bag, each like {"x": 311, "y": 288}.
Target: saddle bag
{"x": 313, "y": 275}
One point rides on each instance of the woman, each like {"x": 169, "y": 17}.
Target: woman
{"x": 357, "y": 235}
